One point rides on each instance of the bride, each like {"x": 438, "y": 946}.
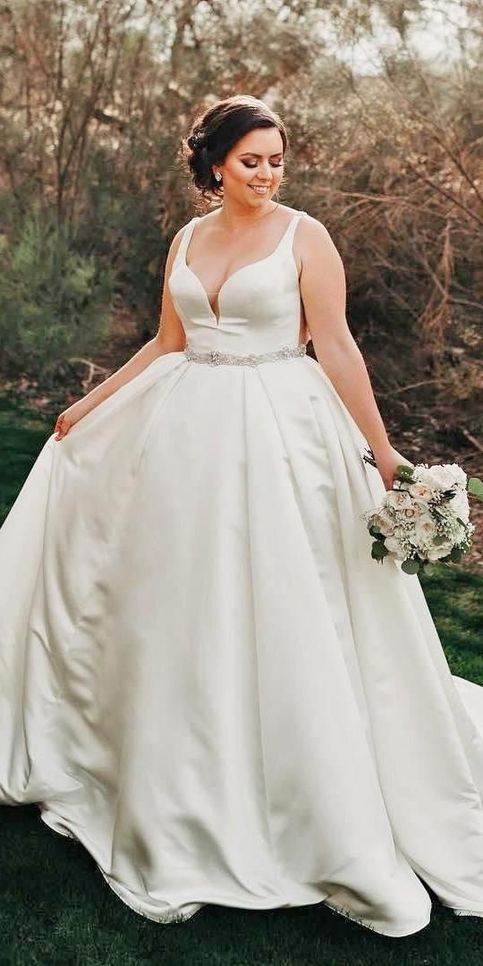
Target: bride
{"x": 205, "y": 679}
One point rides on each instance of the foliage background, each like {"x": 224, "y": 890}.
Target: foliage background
{"x": 383, "y": 100}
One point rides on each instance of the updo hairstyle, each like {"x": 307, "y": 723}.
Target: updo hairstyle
{"x": 215, "y": 132}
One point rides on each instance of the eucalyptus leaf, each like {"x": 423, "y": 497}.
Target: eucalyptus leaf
{"x": 475, "y": 486}
{"x": 410, "y": 566}
{"x": 456, "y": 554}
{"x": 374, "y": 532}
{"x": 404, "y": 472}
{"x": 379, "y": 550}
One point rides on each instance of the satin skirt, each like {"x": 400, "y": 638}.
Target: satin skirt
{"x": 206, "y": 679}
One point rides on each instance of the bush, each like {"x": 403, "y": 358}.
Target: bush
{"x": 54, "y": 300}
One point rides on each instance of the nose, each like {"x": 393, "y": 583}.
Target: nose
{"x": 264, "y": 171}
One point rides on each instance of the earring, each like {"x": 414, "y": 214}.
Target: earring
{"x": 217, "y": 176}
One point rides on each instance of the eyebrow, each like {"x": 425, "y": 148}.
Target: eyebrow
{"x": 278, "y": 154}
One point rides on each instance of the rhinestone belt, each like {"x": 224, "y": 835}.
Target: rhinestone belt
{"x": 215, "y": 358}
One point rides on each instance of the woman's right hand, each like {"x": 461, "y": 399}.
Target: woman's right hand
{"x": 69, "y": 417}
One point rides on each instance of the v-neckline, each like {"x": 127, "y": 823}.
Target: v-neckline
{"x": 242, "y": 268}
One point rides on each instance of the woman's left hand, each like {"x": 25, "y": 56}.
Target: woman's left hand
{"x": 387, "y": 460}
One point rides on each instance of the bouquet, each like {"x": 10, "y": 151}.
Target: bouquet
{"x": 424, "y": 519}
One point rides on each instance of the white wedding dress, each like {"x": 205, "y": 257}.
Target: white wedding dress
{"x": 205, "y": 678}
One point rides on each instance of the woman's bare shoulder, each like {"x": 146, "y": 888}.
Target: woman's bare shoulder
{"x": 314, "y": 246}
{"x": 313, "y": 226}
{"x": 313, "y": 236}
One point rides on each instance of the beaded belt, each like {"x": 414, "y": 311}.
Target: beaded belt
{"x": 215, "y": 358}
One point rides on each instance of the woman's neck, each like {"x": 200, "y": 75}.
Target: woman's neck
{"x": 235, "y": 218}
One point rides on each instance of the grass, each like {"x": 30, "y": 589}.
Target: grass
{"x": 55, "y": 908}
{"x": 22, "y": 433}
{"x": 455, "y": 598}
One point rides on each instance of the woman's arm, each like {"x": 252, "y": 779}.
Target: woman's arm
{"x": 323, "y": 292}
{"x": 170, "y": 337}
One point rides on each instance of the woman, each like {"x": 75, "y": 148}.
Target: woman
{"x": 205, "y": 678}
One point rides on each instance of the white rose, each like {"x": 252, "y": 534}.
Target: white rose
{"x": 421, "y": 491}
{"x": 412, "y": 513}
{"x": 425, "y": 528}
{"x": 383, "y": 522}
{"x": 398, "y": 499}
{"x": 457, "y": 474}
{"x": 422, "y": 474}
{"x": 460, "y": 506}
{"x": 393, "y": 545}
{"x": 434, "y": 553}
{"x": 442, "y": 477}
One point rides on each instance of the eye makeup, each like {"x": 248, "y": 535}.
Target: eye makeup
{"x": 274, "y": 164}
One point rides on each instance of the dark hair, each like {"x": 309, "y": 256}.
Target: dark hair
{"x": 215, "y": 132}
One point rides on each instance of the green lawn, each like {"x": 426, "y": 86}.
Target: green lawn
{"x": 55, "y": 908}
{"x": 22, "y": 433}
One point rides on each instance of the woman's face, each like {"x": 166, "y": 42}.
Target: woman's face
{"x": 253, "y": 169}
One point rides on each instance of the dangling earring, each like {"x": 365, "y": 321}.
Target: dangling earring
{"x": 217, "y": 176}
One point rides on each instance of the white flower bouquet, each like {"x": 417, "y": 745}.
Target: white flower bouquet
{"x": 424, "y": 519}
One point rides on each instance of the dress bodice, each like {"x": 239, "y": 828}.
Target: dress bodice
{"x": 258, "y": 304}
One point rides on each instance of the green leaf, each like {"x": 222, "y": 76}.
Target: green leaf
{"x": 379, "y": 550}
{"x": 475, "y": 486}
{"x": 374, "y": 532}
{"x": 456, "y": 554}
{"x": 404, "y": 472}
{"x": 410, "y": 566}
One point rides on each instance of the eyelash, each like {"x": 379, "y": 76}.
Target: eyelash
{"x": 247, "y": 165}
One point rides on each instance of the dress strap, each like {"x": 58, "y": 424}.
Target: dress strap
{"x": 287, "y": 239}
{"x": 185, "y": 240}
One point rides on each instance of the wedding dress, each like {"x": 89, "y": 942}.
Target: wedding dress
{"x": 205, "y": 678}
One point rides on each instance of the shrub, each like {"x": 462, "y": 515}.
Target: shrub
{"x": 54, "y": 300}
